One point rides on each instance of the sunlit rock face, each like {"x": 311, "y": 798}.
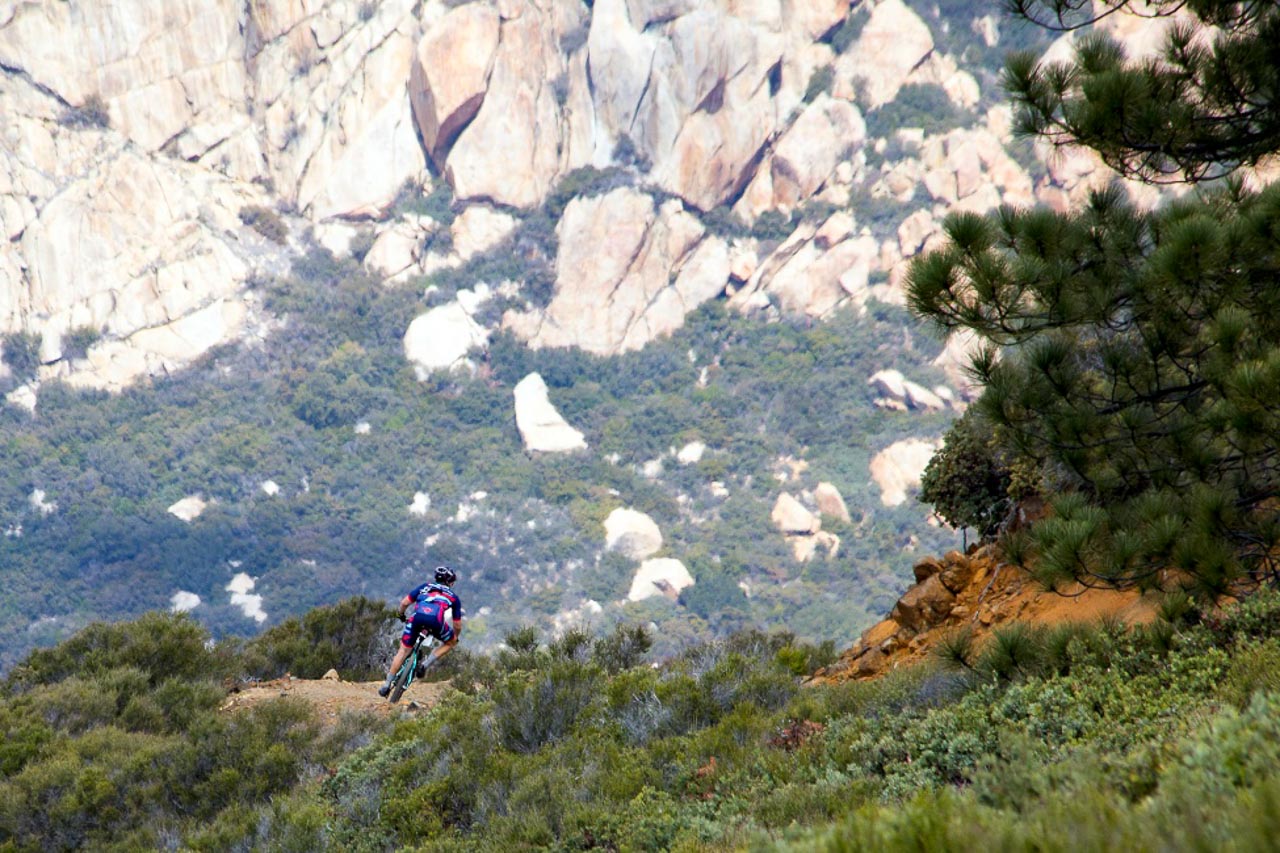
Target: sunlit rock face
{"x": 541, "y": 427}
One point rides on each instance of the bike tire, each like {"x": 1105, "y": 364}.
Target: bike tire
{"x": 401, "y": 680}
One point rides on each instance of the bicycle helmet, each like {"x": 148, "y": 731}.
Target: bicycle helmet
{"x": 445, "y": 575}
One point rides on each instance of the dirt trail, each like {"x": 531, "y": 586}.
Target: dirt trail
{"x": 333, "y": 697}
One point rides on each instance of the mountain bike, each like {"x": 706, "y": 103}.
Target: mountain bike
{"x": 408, "y": 671}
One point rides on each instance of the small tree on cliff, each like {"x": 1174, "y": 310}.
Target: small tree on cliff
{"x": 1139, "y": 351}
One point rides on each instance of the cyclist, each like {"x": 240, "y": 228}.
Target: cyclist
{"x": 434, "y": 608}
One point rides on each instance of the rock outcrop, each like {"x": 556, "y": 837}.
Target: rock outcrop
{"x": 136, "y": 135}
{"x": 977, "y": 593}
{"x": 541, "y": 426}
{"x": 442, "y": 338}
{"x": 632, "y": 533}
{"x": 898, "y": 468}
{"x": 626, "y": 273}
{"x": 659, "y": 576}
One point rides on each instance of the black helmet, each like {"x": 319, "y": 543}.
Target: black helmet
{"x": 445, "y": 575}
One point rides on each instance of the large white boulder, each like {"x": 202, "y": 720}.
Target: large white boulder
{"x": 541, "y": 427}
{"x": 659, "y": 576}
{"x": 441, "y": 338}
{"x": 830, "y": 502}
{"x": 189, "y": 508}
{"x": 632, "y": 533}
{"x": 897, "y": 469}
{"x": 792, "y": 517}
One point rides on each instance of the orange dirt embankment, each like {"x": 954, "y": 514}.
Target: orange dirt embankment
{"x": 333, "y": 697}
{"x": 977, "y": 592}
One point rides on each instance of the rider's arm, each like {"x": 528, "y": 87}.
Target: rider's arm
{"x": 404, "y": 605}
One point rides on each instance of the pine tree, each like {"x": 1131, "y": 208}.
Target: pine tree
{"x": 1204, "y": 108}
{"x": 1135, "y": 356}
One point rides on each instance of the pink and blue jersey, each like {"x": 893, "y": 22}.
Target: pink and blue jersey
{"x": 430, "y": 603}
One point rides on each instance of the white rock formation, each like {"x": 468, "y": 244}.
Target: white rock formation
{"x": 830, "y": 502}
{"x": 626, "y": 273}
{"x": 691, "y": 453}
{"x": 804, "y": 157}
{"x": 242, "y": 596}
{"x": 659, "y": 576}
{"x": 898, "y": 388}
{"x": 479, "y": 228}
{"x": 183, "y": 601}
{"x": 421, "y": 503}
{"x": 791, "y": 517}
{"x": 189, "y": 508}
{"x": 897, "y": 468}
{"x": 892, "y": 43}
{"x": 806, "y": 547}
{"x": 632, "y": 533}
{"x": 541, "y": 427}
{"x": 441, "y": 338}
{"x": 39, "y": 502}
{"x": 269, "y": 487}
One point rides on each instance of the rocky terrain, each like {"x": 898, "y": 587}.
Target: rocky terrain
{"x": 139, "y": 139}
{"x": 978, "y": 593}
{"x": 578, "y": 178}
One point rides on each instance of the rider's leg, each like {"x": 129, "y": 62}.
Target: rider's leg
{"x": 406, "y": 643}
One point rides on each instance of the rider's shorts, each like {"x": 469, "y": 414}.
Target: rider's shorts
{"x": 432, "y": 621}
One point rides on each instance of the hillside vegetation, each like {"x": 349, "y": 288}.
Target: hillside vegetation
{"x": 1159, "y": 738}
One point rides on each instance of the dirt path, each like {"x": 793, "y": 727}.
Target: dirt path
{"x": 333, "y": 697}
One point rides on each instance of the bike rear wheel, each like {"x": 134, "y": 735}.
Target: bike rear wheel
{"x": 402, "y": 679}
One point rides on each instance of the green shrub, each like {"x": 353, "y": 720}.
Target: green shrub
{"x": 534, "y": 709}
{"x": 76, "y": 342}
{"x": 21, "y": 352}
{"x": 161, "y": 645}
{"x": 819, "y": 82}
{"x": 354, "y": 636}
{"x": 966, "y": 481}
{"x": 266, "y": 222}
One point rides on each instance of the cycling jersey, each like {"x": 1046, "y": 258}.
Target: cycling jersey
{"x": 427, "y": 613}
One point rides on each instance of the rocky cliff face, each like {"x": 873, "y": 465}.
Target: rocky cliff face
{"x": 137, "y": 136}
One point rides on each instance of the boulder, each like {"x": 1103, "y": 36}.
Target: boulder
{"x": 898, "y": 468}
{"x": 790, "y": 516}
{"x": 830, "y": 502}
{"x": 659, "y": 576}
{"x": 926, "y": 568}
{"x": 924, "y": 605}
{"x": 441, "y": 338}
{"x": 541, "y": 427}
{"x": 331, "y": 675}
{"x": 480, "y": 228}
{"x": 189, "y": 508}
{"x": 691, "y": 453}
{"x": 805, "y": 547}
{"x": 632, "y": 533}
{"x": 957, "y": 573}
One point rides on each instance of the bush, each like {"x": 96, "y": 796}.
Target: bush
{"x": 22, "y": 354}
{"x": 266, "y": 222}
{"x": 354, "y": 636}
{"x": 76, "y": 343}
{"x": 965, "y": 481}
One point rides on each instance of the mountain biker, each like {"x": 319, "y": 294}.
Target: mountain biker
{"x": 437, "y": 610}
